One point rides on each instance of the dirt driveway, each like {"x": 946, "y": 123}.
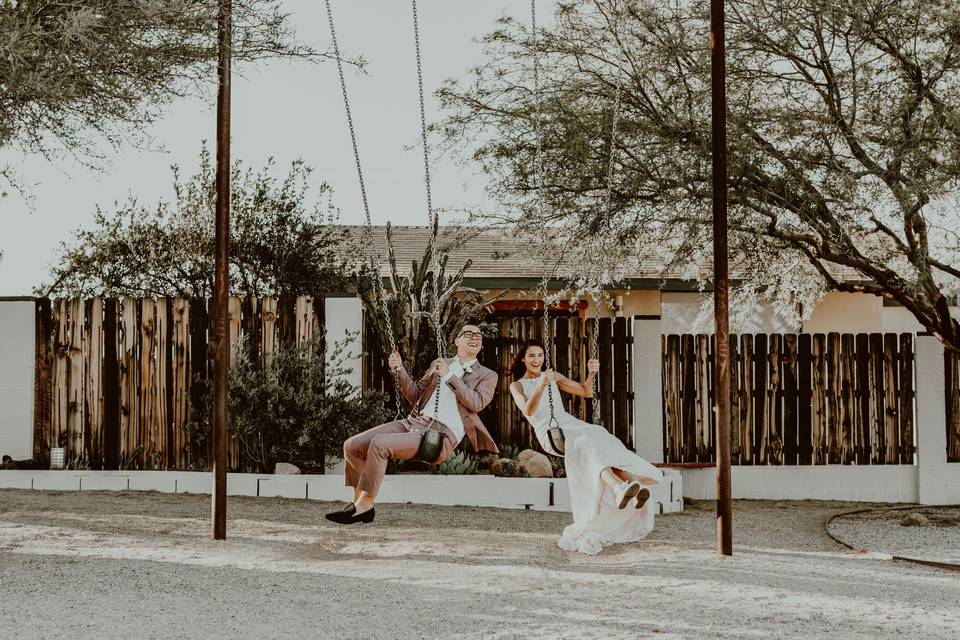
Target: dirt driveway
{"x": 106, "y": 565}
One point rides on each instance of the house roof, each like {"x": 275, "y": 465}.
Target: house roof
{"x": 503, "y": 259}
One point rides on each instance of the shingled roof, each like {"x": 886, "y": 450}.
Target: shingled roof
{"x": 497, "y": 255}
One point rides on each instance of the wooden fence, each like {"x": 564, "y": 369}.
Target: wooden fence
{"x": 571, "y": 345}
{"x": 795, "y": 398}
{"x": 951, "y": 361}
{"x": 115, "y": 375}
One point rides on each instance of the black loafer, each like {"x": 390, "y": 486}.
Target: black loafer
{"x": 351, "y": 516}
{"x": 348, "y": 510}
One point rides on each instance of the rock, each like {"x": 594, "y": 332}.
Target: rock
{"x": 486, "y": 459}
{"x": 525, "y": 455}
{"x": 535, "y": 464}
{"x": 503, "y": 468}
{"x": 914, "y": 520}
{"x": 286, "y": 469}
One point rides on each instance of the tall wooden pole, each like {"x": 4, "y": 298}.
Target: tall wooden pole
{"x": 720, "y": 277}
{"x": 221, "y": 285}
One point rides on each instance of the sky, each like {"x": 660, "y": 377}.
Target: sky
{"x": 288, "y": 111}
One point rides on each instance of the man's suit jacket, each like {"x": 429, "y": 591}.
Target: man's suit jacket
{"x": 473, "y": 391}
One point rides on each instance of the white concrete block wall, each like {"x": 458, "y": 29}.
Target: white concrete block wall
{"x": 17, "y": 353}
{"x": 472, "y": 491}
{"x": 346, "y": 315}
{"x": 881, "y": 483}
{"x": 938, "y": 481}
{"x": 647, "y": 388}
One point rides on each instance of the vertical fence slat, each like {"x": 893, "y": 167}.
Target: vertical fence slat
{"x": 268, "y": 330}
{"x": 760, "y": 355}
{"x": 606, "y": 374}
{"x": 747, "y": 371}
{"x": 687, "y": 397}
{"x": 818, "y": 412}
{"x": 701, "y": 397}
{"x": 44, "y": 378}
{"x": 906, "y": 398}
{"x": 773, "y": 445}
{"x": 891, "y": 407}
{"x": 129, "y": 376}
{"x": 60, "y": 383}
{"x": 180, "y": 363}
{"x": 790, "y": 399}
{"x": 847, "y": 399}
{"x": 805, "y": 398}
{"x": 504, "y": 411}
{"x": 199, "y": 374}
{"x": 952, "y": 399}
{"x": 147, "y": 433}
{"x": 235, "y": 326}
{"x": 591, "y": 332}
{"x": 94, "y": 382}
{"x": 111, "y": 385}
{"x": 736, "y": 397}
{"x": 671, "y": 392}
{"x": 832, "y": 361}
{"x": 862, "y": 424}
{"x": 877, "y": 397}
{"x": 75, "y": 396}
{"x": 164, "y": 381}
{"x": 619, "y": 398}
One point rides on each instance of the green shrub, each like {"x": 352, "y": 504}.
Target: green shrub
{"x": 298, "y": 409}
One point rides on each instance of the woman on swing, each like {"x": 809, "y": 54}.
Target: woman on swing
{"x": 608, "y": 482}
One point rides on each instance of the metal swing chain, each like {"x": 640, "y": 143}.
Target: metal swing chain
{"x": 375, "y": 260}
{"x": 595, "y": 355}
{"x": 594, "y": 346}
{"x": 432, "y": 215}
{"x": 538, "y": 179}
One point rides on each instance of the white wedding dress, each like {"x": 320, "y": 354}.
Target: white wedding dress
{"x": 589, "y": 449}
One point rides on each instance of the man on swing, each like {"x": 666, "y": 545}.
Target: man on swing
{"x": 466, "y": 388}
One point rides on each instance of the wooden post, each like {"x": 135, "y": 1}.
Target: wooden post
{"x": 720, "y": 289}
{"x": 222, "y": 277}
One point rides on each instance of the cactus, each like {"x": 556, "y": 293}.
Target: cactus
{"x": 460, "y": 463}
{"x": 508, "y": 450}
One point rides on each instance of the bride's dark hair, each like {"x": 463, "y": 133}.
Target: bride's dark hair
{"x": 517, "y": 368}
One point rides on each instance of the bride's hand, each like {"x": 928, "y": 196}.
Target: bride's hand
{"x": 593, "y": 365}
{"x": 549, "y": 376}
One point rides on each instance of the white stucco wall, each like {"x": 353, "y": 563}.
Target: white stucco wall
{"x": 17, "y": 338}
{"x": 846, "y": 313}
{"x": 679, "y": 311}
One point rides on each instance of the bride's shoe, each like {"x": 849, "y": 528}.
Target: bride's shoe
{"x": 642, "y": 496}
{"x": 624, "y": 492}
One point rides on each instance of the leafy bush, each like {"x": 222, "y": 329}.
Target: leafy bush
{"x": 297, "y": 409}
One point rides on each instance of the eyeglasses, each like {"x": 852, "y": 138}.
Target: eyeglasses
{"x": 470, "y": 335}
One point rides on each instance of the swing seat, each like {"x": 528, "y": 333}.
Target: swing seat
{"x": 556, "y": 440}
{"x": 431, "y": 446}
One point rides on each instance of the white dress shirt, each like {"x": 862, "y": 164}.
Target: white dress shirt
{"x": 449, "y": 411}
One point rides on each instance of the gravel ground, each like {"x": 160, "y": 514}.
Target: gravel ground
{"x": 880, "y": 531}
{"x": 106, "y": 565}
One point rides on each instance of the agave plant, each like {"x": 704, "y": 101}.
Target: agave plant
{"x": 460, "y": 463}
{"x": 410, "y": 305}
{"x": 509, "y": 450}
